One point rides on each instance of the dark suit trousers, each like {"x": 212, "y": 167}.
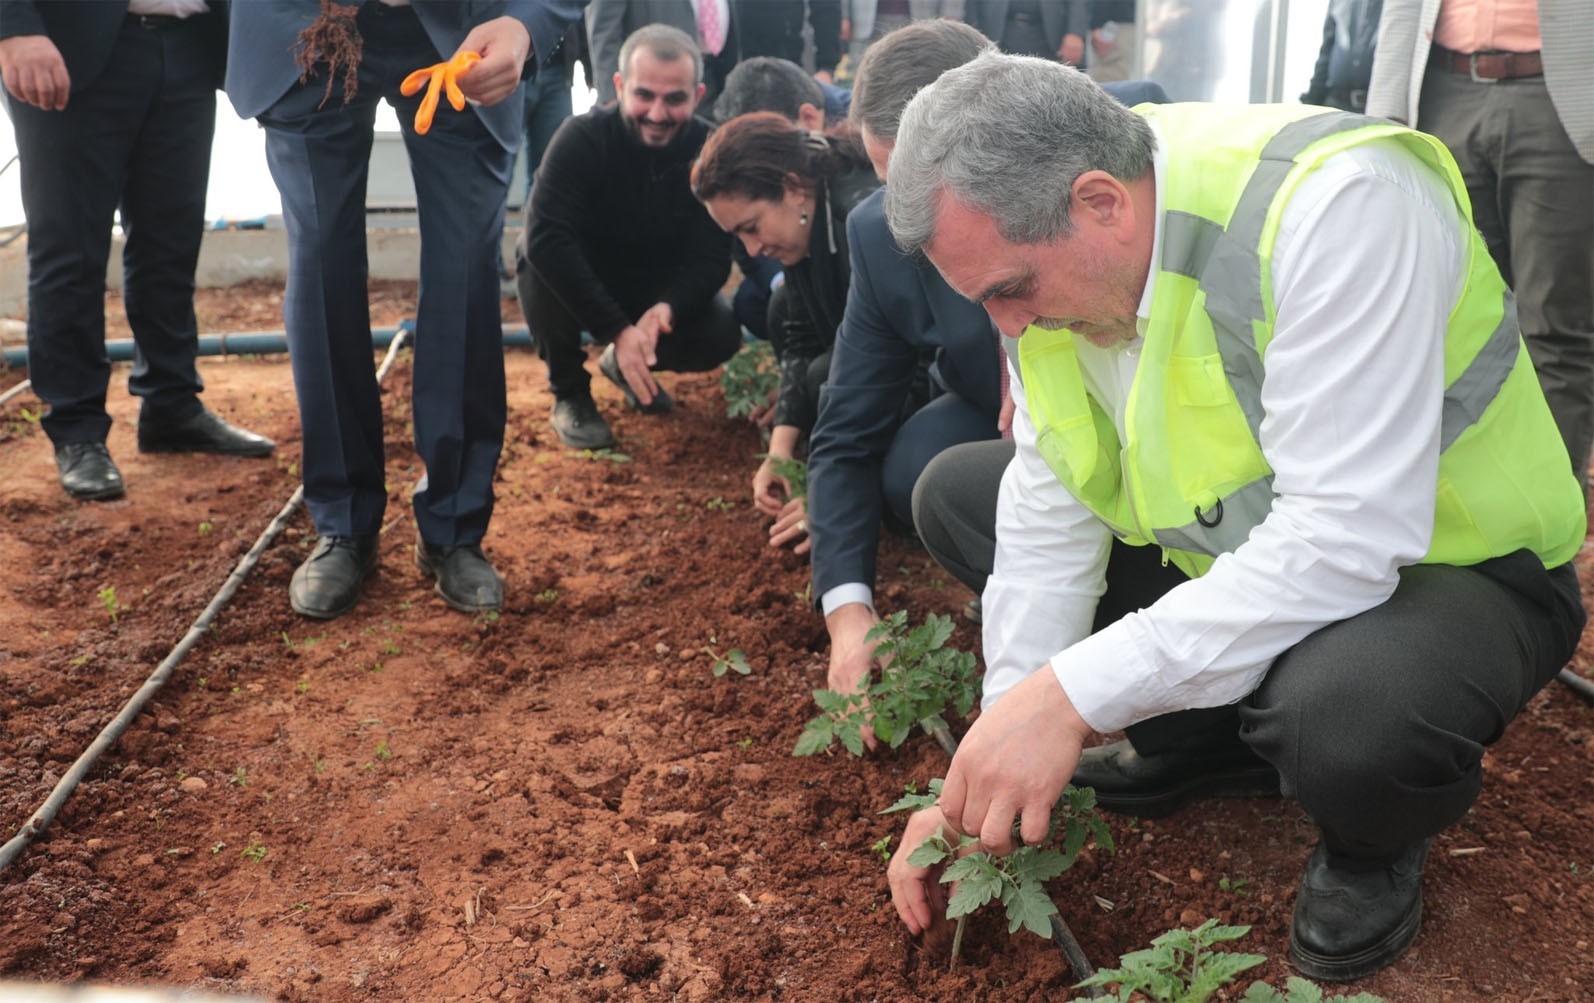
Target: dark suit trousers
{"x": 319, "y": 156}
{"x": 1533, "y": 201}
{"x": 1376, "y": 724}
{"x": 702, "y": 339}
{"x": 137, "y": 136}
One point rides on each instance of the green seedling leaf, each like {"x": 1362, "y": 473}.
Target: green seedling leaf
{"x": 749, "y": 379}
{"x": 921, "y": 680}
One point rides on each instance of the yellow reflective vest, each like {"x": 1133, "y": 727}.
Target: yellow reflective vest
{"x": 1190, "y": 476}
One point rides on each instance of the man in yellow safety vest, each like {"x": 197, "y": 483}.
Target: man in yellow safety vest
{"x": 1286, "y": 503}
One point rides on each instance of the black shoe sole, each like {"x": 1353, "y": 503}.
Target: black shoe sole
{"x": 426, "y": 568}
{"x": 103, "y": 494}
{"x": 171, "y": 447}
{"x": 1247, "y": 782}
{"x": 1374, "y": 958}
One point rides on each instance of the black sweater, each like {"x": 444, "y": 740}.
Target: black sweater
{"x": 612, "y": 226}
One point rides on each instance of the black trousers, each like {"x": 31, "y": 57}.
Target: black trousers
{"x": 1376, "y": 724}
{"x": 137, "y": 137}
{"x": 702, "y": 339}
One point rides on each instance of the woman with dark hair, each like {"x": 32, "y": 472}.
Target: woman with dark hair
{"x": 786, "y": 192}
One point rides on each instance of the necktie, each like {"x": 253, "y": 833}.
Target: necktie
{"x": 709, "y": 26}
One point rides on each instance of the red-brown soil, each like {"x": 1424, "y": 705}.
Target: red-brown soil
{"x": 562, "y": 803}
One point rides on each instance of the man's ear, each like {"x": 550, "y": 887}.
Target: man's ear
{"x": 1099, "y": 196}
{"x": 697, "y": 97}
{"x": 619, "y": 85}
{"x": 811, "y": 118}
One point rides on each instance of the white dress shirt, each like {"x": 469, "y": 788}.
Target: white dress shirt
{"x": 1366, "y": 267}
{"x": 168, "y": 8}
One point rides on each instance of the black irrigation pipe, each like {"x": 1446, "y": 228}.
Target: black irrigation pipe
{"x": 1062, "y": 936}
{"x": 1578, "y": 684}
{"x": 107, "y": 738}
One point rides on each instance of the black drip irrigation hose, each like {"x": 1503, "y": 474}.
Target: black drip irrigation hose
{"x": 1062, "y": 936}
{"x": 107, "y": 738}
{"x": 1577, "y": 684}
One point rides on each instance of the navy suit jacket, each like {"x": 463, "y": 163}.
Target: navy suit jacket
{"x": 85, "y": 31}
{"x": 261, "y": 68}
{"x": 897, "y": 307}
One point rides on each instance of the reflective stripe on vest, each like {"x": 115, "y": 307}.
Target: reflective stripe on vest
{"x": 1226, "y": 264}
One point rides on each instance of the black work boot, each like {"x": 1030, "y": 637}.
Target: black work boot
{"x": 1355, "y": 916}
{"x": 1158, "y": 784}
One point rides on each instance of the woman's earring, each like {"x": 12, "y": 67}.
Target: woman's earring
{"x": 802, "y": 217}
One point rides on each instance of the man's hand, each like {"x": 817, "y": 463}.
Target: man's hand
{"x": 791, "y": 526}
{"x": 1101, "y": 44}
{"x": 34, "y": 71}
{"x": 1072, "y": 51}
{"x": 634, "y": 353}
{"x": 658, "y": 321}
{"x": 1014, "y": 763}
{"x": 917, "y": 892}
{"x": 770, "y": 490}
{"x": 1004, "y": 417}
{"x": 825, "y": 77}
{"x": 851, "y": 654}
{"x": 504, "y": 45}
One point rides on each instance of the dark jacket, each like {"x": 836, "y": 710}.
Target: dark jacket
{"x": 85, "y": 31}
{"x": 1345, "y": 61}
{"x": 775, "y": 28}
{"x": 261, "y": 67}
{"x": 612, "y": 227}
{"x": 898, "y": 307}
{"x": 818, "y": 284}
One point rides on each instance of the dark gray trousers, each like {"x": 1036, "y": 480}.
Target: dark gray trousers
{"x": 1377, "y": 723}
{"x": 1533, "y": 201}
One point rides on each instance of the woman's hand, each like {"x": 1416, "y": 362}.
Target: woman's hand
{"x": 770, "y": 490}
{"x": 791, "y": 527}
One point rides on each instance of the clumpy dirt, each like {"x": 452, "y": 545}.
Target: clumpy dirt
{"x": 562, "y": 803}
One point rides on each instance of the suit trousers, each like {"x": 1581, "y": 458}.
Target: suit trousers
{"x": 319, "y": 153}
{"x": 1376, "y": 724}
{"x": 1533, "y": 201}
{"x": 137, "y": 137}
{"x": 702, "y": 339}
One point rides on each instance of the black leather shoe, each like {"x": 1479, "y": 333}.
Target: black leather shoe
{"x": 609, "y": 366}
{"x": 464, "y": 578}
{"x": 203, "y": 433}
{"x": 579, "y": 425}
{"x": 327, "y": 584}
{"x": 1157, "y": 785}
{"x": 1353, "y": 919}
{"x": 87, "y": 471}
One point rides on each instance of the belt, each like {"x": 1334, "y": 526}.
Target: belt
{"x": 1487, "y": 67}
{"x": 154, "y": 20}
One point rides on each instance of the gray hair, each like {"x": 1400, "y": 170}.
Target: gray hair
{"x": 902, "y": 62}
{"x": 1007, "y": 137}
{"x": 667, "y": 44}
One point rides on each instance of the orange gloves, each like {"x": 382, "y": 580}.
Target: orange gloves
{"x": 443, "y": 77}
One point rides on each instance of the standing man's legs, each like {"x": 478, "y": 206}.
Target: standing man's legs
{"x": 73, "y": 166}
{"x": 462, "y": 182}
{"x": 319, "y": 153}
{"x": 1533, "y": 201}
{"x": 163, "y": 216}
